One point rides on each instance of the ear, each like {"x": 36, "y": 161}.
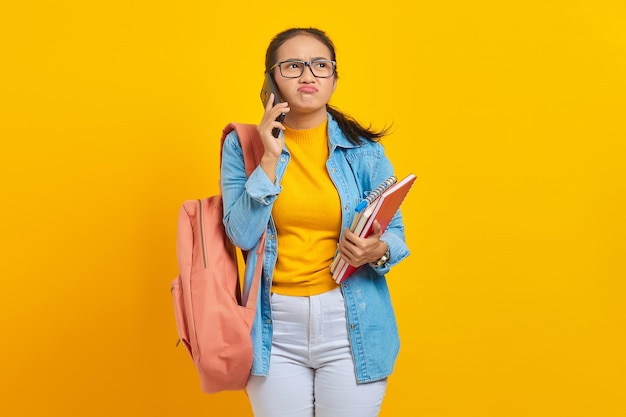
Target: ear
{"x": 334, "y": 84}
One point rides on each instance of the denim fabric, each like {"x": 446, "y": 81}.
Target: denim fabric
{"x": 354, "y": 169}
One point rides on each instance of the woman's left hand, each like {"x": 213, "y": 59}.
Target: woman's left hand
{"x": 359, "y": 251}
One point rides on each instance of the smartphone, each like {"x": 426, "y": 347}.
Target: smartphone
{"x": 268, "y": 88}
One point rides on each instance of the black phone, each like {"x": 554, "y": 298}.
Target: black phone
{"x": 268, "y": 88}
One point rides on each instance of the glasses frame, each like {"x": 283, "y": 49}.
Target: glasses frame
{"x": 305, "y": 64}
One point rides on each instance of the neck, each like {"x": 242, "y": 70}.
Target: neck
{"x": 301, "y": 121}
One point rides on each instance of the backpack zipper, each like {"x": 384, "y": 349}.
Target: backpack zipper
{"x": 202, "y": 232}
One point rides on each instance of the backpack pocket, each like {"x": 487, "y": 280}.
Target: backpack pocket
{"x": 180, "y": 315}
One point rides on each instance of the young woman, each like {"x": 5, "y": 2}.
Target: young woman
{"x": 320, "y": 348}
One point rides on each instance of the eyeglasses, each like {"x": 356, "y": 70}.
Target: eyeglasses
{"x": 321, "y": 68}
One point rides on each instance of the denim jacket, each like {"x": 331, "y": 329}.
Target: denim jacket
{"x": 354, "y": 169}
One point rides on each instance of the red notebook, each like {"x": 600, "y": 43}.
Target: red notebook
{"x": 382, "y": 209}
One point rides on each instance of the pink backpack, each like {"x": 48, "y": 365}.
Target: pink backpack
{"x": 211, "y": 321}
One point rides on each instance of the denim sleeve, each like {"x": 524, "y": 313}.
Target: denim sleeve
{"x": 248, "y": 202}
{"x": 394, "y": 234}
{"x": 398, "y": 250}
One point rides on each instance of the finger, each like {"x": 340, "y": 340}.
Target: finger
{"x": 377, "y": 230}
{"x": 276, "y": 109}
{"x": 281, "y": 108}
{"x": 351, "y": 237}
{"x": 347, "y": 256}
{"x": 346, "y": 249}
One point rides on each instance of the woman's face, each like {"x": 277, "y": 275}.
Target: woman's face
{"x": 306, "y": 94}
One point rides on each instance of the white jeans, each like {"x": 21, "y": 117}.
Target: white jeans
{"x": 311, "y": 368}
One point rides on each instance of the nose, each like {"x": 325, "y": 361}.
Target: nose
{"x": 307, "y": 75}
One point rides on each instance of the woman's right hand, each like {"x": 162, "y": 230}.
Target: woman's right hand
{"x": 273, "y": 146}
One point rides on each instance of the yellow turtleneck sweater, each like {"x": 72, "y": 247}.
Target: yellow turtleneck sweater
{"x": 307, "y": 214}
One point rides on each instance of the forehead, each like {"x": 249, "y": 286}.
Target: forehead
{"x": 302, "y": 47}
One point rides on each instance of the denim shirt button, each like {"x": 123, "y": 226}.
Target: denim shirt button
{"x": 352, "y": 326}
{"x": 282, "y": 159}
{"x": 268, "y": 321}
{"x": 272, "y": 237}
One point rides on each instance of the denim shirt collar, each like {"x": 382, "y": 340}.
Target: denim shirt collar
{"x": 335, "y": 137}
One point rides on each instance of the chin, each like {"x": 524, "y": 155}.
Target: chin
{"x": 309, "y": 110}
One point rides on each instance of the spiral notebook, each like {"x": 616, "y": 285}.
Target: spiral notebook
{"x": 381, "y": 204}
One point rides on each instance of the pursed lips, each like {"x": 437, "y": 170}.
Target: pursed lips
{"x": 307, "y": 90}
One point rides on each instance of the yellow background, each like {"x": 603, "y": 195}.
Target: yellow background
{"x": 512, "y": 114}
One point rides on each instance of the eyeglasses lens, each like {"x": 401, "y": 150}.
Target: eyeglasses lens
{"x": 294, "y": 69}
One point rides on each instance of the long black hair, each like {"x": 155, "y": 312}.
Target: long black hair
{"x": 352, "y": 129}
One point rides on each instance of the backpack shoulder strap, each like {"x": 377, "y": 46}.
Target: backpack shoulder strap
{"x": 250, "y": 141}
{"x": 253, "y": 149}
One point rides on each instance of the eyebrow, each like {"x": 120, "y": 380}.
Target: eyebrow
{"x": 318, "y": 58}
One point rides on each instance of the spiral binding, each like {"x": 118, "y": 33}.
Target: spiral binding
{"x": 376, "y": 192}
